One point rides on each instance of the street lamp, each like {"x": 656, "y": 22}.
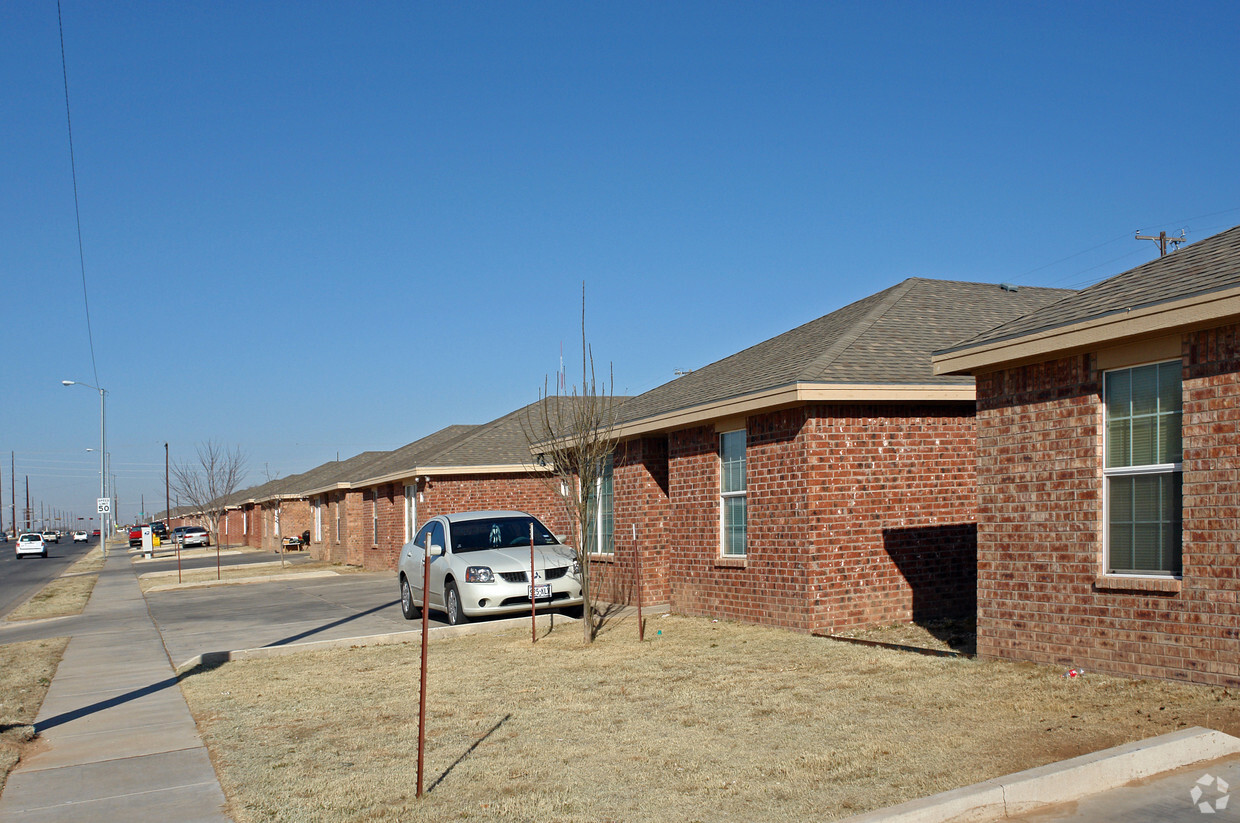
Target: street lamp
{"x": 103, "y": 444}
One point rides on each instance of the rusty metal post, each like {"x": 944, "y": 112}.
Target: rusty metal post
{"x": 533, "y": 600}
{"x": 426, "y": 585}
{"x": 637, "y": 566}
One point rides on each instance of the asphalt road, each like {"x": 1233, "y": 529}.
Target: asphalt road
{"x": 19, "y": 579}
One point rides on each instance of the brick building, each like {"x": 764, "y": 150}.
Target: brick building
{"x": 1109, "y": 472}
{"x": 821, "y": 480}
{"x": 460, "y": 468}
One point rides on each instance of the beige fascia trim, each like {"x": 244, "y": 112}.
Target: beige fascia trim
{"x": 499, "y": 468}
{"x": 325, "y": 489}
{"x": 794, "y": 395}
{"x": 1197, "y": 311}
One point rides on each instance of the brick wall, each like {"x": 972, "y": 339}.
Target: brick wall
{"x": 330, "y": 548}
{"x": 639, "y": 498}
{"x": 440, "y": 495}
{"x": 857, "y": 516}
{"x": 1041, "y": 594}
{"x": 893, "y": 493}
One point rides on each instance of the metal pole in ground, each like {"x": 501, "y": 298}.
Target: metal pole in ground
{"x": 637, "y": 570}
{"x": 426, "y": 584}
{"x": 533, "y": 599}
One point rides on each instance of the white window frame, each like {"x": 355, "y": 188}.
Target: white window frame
{"x": 318, "y": 520}
{"x": 245, "y": 522}
{"x": 411, "y": 511}
{"x": 725, "y": 496}
{"x": 337, "y": 505}
{"x": 599, "y": 547}
{"x": 275, "y": 518}
{"x": 374, "y": 515}
{"x": 1167, "y": 469}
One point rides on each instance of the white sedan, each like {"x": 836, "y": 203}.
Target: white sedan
{"x": 30, "y": 543}
{"x": 480, "y": 564}
{"x": 80, "y": 537}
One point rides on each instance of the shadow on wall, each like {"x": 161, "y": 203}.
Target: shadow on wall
{"x": 939, "y": 563}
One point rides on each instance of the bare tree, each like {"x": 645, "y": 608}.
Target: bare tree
{"x": 207, "y": 484}
{"x": 574, "y": 433}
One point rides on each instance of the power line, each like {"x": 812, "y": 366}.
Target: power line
{"x": 77, "y": 210}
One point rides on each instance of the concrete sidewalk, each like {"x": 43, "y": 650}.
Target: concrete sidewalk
{"x": 117, "y": 742}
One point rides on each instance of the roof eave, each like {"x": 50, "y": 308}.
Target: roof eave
{"x": 795, "y": 394}
{"x": 1103, "y": 330}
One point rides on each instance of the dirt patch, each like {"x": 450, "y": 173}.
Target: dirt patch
{"x": 939, "y": 635}
{"x": 66, "y": 594}
{"x": 703, "y": 721}
{"x": 26, "y": 671}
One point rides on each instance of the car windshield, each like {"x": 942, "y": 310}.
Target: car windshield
{"x": 498, "y": 533}
{"x": 30, "y": 538}
{"x": 195, "y": 530}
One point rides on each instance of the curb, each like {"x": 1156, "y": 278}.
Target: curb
{"x": 391, "y": 638}
{"x": 1061, "y": 782}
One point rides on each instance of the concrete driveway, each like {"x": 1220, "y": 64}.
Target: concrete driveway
{"x": 196, "y": 621}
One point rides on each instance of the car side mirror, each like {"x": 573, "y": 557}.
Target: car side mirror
{"x": 437, "y": 551}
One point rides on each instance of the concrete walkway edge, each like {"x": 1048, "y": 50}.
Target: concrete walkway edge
{"x": 1061, "y": 782}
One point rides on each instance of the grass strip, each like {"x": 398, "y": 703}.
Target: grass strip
{"x": 238, "y": 574}
{"x": 67, "y": 594}
{"x": 26, "y": 671}
{"x": 703, "y": 721}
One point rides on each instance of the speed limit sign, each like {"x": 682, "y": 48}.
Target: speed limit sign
{"x": 104, "y": 505}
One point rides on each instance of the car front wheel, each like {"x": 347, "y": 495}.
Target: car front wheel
{"x": 407, "y": 608}
{"x": 452, "y": 605}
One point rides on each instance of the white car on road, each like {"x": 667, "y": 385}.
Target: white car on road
{"x": 31, "y": 543}
{"x": 80, "y": 537}
{"x": 480, "y": 565}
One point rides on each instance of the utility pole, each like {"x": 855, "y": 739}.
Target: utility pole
{"x": 1162, "y": 240}
{"x": 167, "y": 496}
{"x": 13, "y": 493}
{"x": 27, "y": 502}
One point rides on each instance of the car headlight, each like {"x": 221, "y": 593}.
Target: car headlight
{"x": 575, "y": 569}
{"x": 479, "y": 574}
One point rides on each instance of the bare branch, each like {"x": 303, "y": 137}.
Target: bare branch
{"x": 207, "y": 484}
{"x": 574, "y": 434}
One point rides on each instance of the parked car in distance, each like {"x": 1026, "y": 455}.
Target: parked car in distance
{"x": 30, "y": 543}
{"x": 480, "y": 565}
{"x": 191, "y": 536}
{"x": 95, "y": 533}
{"x": 50, "y": 537}
{"x": 135, "y": 536}
{"x": 80, "y": 537}
{"x": 159, "y": 530}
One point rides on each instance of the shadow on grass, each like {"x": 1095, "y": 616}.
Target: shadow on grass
{"x": 467, "y": 752}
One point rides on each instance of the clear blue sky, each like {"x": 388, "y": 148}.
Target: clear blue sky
{"x": 313, "y": 228}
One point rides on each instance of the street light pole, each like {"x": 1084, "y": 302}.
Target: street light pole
{"x": 103, "y": 449}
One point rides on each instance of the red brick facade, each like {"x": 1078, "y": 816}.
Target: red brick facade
{"x": 640, "y": 499}
{"x": 1042, "y": 594}
{"x": 359, "y": 543}
{"x": 856, "y": 516}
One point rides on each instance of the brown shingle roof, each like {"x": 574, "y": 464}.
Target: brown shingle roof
{"x": 502, "y": 442}
{"x": 1202, "y": 267}
{"x": 407, "y": 458}
{"x": 886, "y": 338}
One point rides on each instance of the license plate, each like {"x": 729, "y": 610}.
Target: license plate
{"x": 541, "y": 592}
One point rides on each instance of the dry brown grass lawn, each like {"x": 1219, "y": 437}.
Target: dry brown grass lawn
{"x": 66, "y": 594}
{"x": 238, "y": 573}
{"x": 707, "y": 721}
{"x": 26, "y": 671}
